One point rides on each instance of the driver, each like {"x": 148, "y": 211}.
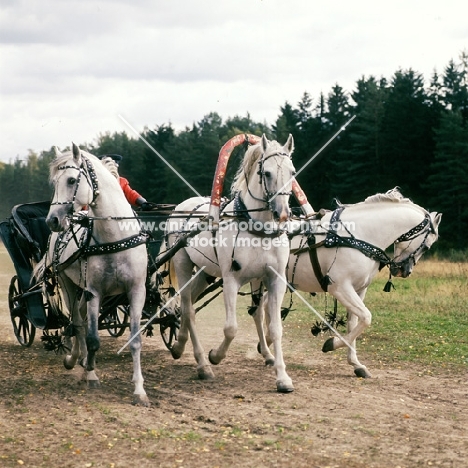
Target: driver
{"x": 111, "y": 162}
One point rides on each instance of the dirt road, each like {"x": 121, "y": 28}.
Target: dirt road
{"x": 403, "y": 417}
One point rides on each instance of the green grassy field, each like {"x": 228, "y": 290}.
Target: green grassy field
{"x": 424, "y": 319}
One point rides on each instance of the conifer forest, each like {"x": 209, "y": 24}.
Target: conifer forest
{"x": 409, "y": 131}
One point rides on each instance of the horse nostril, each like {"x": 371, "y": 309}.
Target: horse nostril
{"x": 53, "y": 223}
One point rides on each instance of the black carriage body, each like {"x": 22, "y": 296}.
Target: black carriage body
{"x": 25, "y": 235}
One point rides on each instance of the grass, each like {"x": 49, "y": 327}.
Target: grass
{"x": 424, "y": 320}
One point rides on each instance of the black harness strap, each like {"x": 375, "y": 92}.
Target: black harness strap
{"x": 85, "y": 251}
{"x": 335, "y": 240}
{"x": 324, "y": 280}
{"x": 242, "y": 213}
{"x": 332, "y": 240}
{"x": 113, "y": 247}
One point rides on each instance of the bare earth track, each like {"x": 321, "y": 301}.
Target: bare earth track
{"x": 403, "y": 417}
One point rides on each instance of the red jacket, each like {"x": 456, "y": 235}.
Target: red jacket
{"x": 131, "y": 195}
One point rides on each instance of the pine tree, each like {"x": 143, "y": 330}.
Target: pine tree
{"x": 358, "y": 168}
{"x": 447, "y": 182}
{"x": 407, "y": 139}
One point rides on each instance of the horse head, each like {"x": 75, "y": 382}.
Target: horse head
{"x": 67, "y": 171}
{"x": 410, "y": 247}
{"x": 275, "y": 176}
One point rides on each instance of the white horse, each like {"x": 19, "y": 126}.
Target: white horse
{"x": 92, "y": 257}
{"x": 349, "y": 248}
{"x": 249, "y": 243}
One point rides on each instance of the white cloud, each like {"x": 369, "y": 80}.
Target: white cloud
{"x": 69, "y": 68}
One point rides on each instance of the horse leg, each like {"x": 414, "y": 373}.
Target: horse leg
{"x": 276, "y": 291}
{"x": 230, "y": 289}
{"x": 259, "y": 319}
{"x": 204, "y": 370}
{"x": 78, "y": 350}
{"x": 187, "y": 319}
{"x": 360, "y": 319}
{"x": 359, "y": 369}
{"x": 78, "y": 311}
{"x": 92, "y": 341}
{"x": 183, "y": 268}
{"x": 137, "y": 301}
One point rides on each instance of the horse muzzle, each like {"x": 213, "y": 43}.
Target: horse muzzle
{"x": 403, "y": 269}
{"x": 58, "y": 220}
{"x": 281, "y": 214}
{"x": 54, "y": 224}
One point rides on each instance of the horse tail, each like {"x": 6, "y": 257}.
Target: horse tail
{"x": 50, "y": 288}
{"x": 172, "y": 276}
{"x": 38, "y": 270}
{"x": 165, "y": 280}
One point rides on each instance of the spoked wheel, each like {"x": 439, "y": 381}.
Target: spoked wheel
{"x": 117, "y": 320}
{"x": 169, "y": 324}
{"x": 24, "y": 330}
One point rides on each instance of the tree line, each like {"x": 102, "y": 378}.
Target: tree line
{"x": 405, "y": 133}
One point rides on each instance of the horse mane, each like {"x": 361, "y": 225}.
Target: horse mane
{"x": 251, "y": 157}
{"x": 249, "y": 163}
{"x": 393, "y": 195}
{"x": 111, "y": 166}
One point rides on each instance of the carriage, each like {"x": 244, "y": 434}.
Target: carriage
{"x": 32, "y": 306}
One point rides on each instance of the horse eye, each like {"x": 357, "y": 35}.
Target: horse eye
{"x": 267, "y": 174}
{"x": 71, "y": 181}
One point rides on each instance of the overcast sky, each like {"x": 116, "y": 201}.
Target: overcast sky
{"x": 68, "y": 69}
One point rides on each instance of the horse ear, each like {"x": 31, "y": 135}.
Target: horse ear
{"x": 289, "y": 146}
{"x": 57, "y": 152}
{"x": 264, "y": 142}
{"x": 436, "y": 218}
{"x": 76, "y": 152}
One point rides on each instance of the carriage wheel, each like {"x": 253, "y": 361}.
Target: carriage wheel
{"x": 169, "y": 323}
{"x": 117, "y": 320}
{"x": 24, "y": 330}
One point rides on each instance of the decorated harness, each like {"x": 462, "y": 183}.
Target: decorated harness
{"x": 334, "y": 240}
{"x": 84, "y": 249}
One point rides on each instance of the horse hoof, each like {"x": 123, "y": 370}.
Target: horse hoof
{"x": 175, "y": 355}
{"x": 175, "y": 352}
{"x": 282, "y": 387}
{"x": 270, "y": 362}
{"x": 93, "y": 384}
{"x": 141, "y": 400}
{"x": 212, "y": 360}
{"x": 363, "y": 373}
{"x": 67, "y": 363}
{"x": 205, "y": 373}
{"x": 328, "y": 346}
